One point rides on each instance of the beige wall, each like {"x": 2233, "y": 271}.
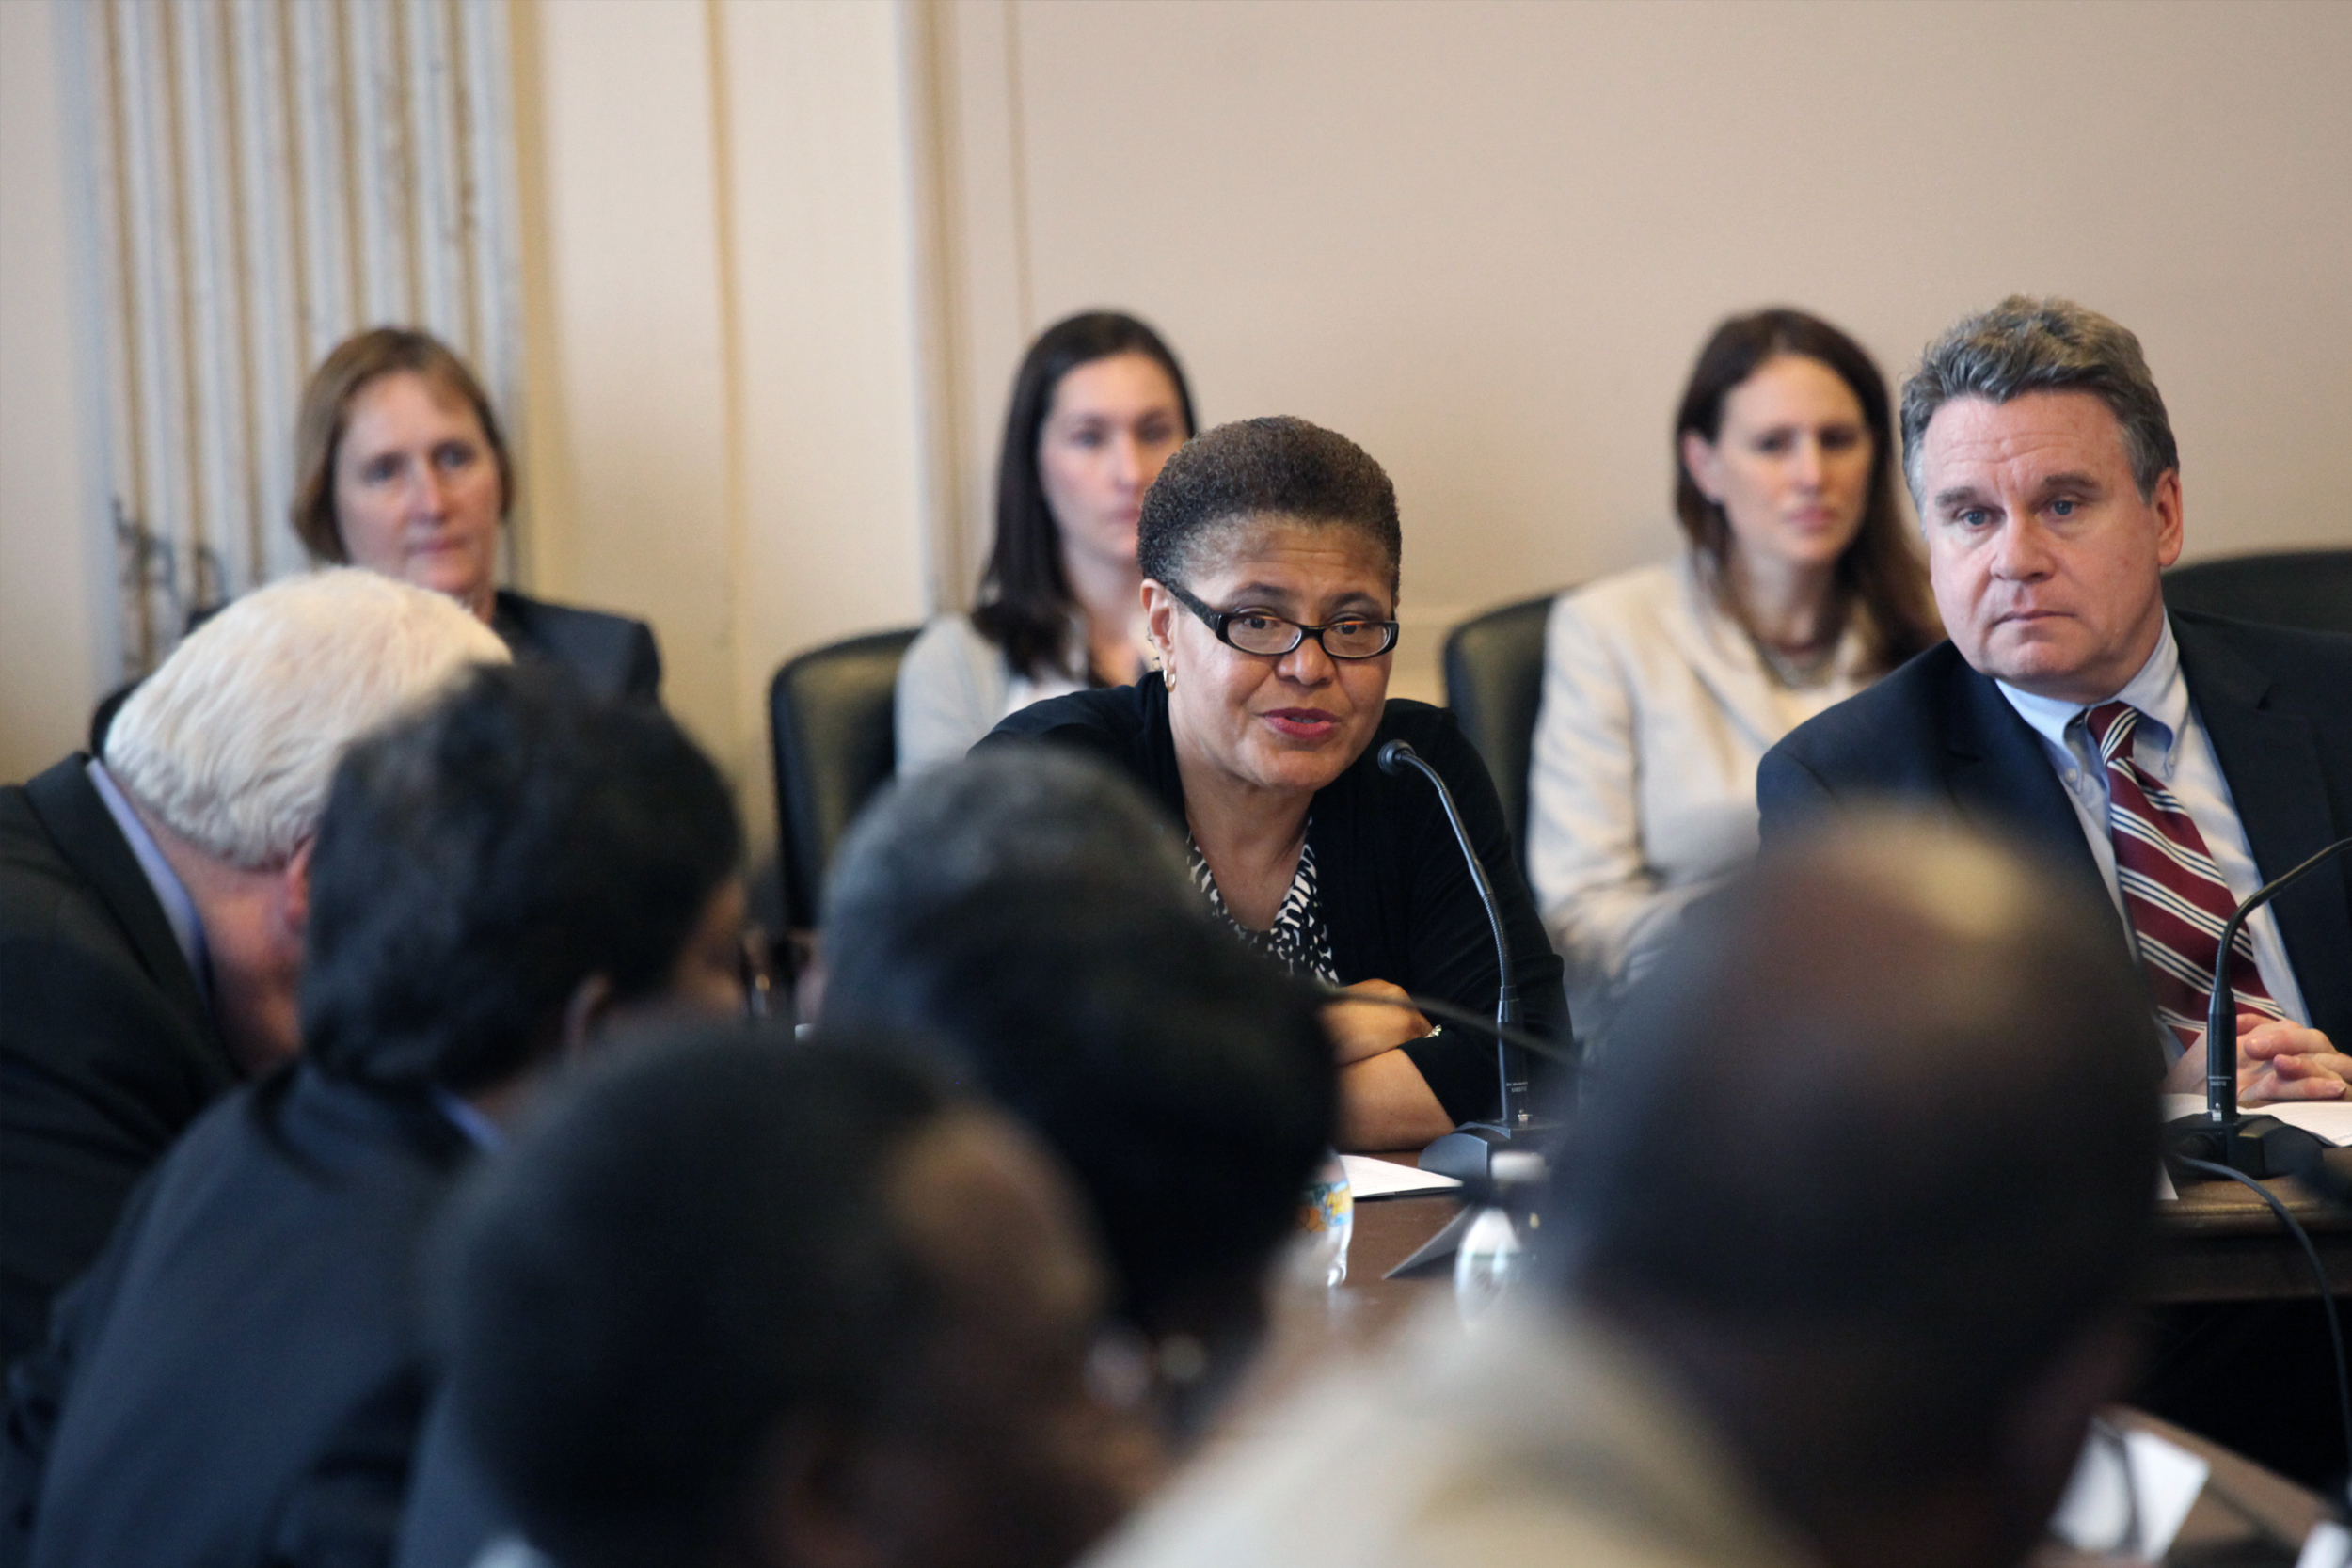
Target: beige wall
{"x": 722, "y": 422}
{"x": 1487, "y": 239}
{"x": 55, "y": 637}
{"x": 780, "y": 261}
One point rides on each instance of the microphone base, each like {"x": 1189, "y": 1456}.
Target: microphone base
{"x": 2259, "y": 1147}
{"x": 1467, "y": 1152}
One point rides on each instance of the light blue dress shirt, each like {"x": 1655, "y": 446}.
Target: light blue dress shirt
{"x": 172, "y": 894}
{"x": 479, "y": 1131}
{"x": 2169, "y": 742}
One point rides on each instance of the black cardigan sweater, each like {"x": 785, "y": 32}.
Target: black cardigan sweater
{"x": 1397, "y": 899}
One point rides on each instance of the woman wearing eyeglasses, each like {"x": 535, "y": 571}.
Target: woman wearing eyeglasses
{"x": 1270, "y": 551}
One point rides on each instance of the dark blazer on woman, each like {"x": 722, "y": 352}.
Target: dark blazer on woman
{"x": 611, "y": 655}
{"x": 240, "y": 1377}
{"x": 1397, "y": 899}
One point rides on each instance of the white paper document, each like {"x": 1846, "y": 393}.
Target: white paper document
{"x": 2129, "y": 1496}
{"x": 2328, "y": 1545}
{"x": 2329, "y": 1118}
{"x": 1370, "y": 1178}
{"x": 2179, "y": 1105}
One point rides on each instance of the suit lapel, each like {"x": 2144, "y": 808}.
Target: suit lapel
{"x": 2271, "y": 763}
{"x": 68, "y": 806}
{"x": 2001, "y": 779}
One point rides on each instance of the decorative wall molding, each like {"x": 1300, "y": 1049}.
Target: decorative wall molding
{"x": 268, "y": 177}
{"x": 962, "y": 66}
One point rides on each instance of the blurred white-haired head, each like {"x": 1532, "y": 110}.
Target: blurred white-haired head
{"x": 232, "y": 742}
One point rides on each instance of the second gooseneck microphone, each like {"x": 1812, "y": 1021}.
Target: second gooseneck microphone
{"x": 1396, "y": 758}
{"x": 2257, "y": 1146}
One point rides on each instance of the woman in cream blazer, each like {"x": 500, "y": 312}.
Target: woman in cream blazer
{"x": 1663, "y": 687}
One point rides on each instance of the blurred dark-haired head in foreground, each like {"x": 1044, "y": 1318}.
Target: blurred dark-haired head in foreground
{"x": 1022, "y": 918}
{"x": 738, "y": 1301}
{"x": 498, "y": 882}
{"x": 1840, "y": 1255}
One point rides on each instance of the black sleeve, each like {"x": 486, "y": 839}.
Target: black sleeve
{"x": 345, "y": 1508}
{"x": 38, "y": 1384}
{"x": 1107, "y": 724}
{"x": 643, "y": 679}
{"x": 1103, "y": 744}
{"x": 452, "y": 1516}
{"x": 1452, "y": 948}
{"x": 98, "y": 1076}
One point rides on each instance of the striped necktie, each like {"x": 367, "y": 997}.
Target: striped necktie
{"x": 2173, "y": 893}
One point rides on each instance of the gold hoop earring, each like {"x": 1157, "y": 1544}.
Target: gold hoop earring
{"x": 1167, "y": 675}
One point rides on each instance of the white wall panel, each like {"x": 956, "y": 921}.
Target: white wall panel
{"x": 271, "y": 176}
{"x": 57, "y": 606}
{"x": 728, "y": 438}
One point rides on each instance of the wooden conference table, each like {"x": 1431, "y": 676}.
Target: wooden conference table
{"x": 2220, "y": 1243}
{"x": 2217, "y": 1243}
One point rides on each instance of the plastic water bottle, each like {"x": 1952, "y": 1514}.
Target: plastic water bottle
{"x": 1492, "y": 1257}
{"x": 1327, "y": 1218}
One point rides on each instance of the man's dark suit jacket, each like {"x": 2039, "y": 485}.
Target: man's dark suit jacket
{"x": 611, "y": 655}
{"x": 2276, "y": 704}
{"x": 239, "y": 1378}
{"x": 106, "y": 1049}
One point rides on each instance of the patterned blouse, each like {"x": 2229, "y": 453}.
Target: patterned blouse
{"x": 1298, "y": 939}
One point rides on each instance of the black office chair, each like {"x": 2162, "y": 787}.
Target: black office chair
{"x": 2309, "y": 588}
{"x": 1494, "y": 679}
{"x": 830, "y": 724}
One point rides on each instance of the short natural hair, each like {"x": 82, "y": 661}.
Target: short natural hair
{"x": 1139, "y": 1038}
{"x": 479, "y": 860}
{"x": 1008, "y": 808}
{"x": 697, "y": 1244}
{"x": 232, "y": 742}
{"x": 1028, "y": 910}
{"x": 1278, "y": 467}
{"x": 326, "y": 409}
{"x": 2042, "y": 345}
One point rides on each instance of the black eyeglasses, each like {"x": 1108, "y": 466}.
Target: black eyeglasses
{"x": 1268, "y": 636}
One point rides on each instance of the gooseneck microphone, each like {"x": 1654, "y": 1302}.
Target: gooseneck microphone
{"x": 2258, "y": 1146}
{"x": 1394, "y": 758}
{"x": 1466, "y": 1152}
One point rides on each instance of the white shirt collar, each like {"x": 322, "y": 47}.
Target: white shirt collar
{"x": 2157, "y": 691}
{"x": 172, "y": 894}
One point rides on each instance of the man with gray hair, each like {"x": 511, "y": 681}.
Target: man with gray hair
{"x": 152, "y": 903}
{"x": 2176, "y": 761}
{"x": 2171, "y": 762}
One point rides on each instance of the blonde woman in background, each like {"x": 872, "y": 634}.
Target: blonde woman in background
{"x": 400, "y": 467}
